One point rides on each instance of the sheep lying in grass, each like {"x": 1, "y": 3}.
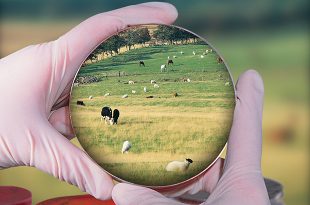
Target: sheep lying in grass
{"x": 126, "y": 147}
{"x": 156, "y": 86}
{"x": 175, "y": 166}
{"x": 90, "y": 97}
{"x": 153, "y": 81}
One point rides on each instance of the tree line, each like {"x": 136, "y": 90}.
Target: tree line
{"x": 128, "y": 39}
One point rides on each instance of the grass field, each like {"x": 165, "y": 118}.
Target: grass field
{"x": 193, "y": 125}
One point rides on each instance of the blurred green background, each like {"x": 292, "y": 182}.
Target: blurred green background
{"x": 271, "y": 36}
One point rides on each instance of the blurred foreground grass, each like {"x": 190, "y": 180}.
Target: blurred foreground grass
{"x": 281, "y": 56}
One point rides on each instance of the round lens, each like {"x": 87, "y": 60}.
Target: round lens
{"x": 153, "y": 105}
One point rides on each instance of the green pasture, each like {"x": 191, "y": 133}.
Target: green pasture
{"x": 195, "y": 124}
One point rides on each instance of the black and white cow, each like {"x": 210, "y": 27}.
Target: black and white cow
{"x": 170, "y": 62}
{"x": 115, "y": 116}
{"x": 106, "y": 114}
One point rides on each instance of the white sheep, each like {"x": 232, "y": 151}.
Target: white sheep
{"x": 227, "y": 84}
{"x": 145, "y": 89}
{"x": 126, "y": 147}
{"x": 178, "y": 165}
{"x": 133, "y": 92}
{"x": 156, "y": 86}
{"x": 163, "y": 68}
{"x": 188, "y": 80}
{"x": 194, "y": 53}
{"x": 131, "y": 82}
{"x": 90, "y": 97}
{"x": 168, "y": 57}
{"x": 174, "y": 56}
{"x": 202, "y": 56}
{"x": 153, "y": 81}
{"x": 182, "y": 52}
{"x": 207, "y": 51}
{"x": 107, "y": 94}
{"x": 125, "y": 96}
{"x": 76, "y": 84}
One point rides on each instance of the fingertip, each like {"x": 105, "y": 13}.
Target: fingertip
{"x": 170, "y": 10}
{"x": 250, "y": 79}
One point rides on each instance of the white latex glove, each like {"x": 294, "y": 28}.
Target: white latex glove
{"x": 35, "y": 85}
{"x": 240, "y": 181}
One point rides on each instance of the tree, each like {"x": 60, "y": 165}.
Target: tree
{"x": 172, "y": 34}
{"x": 113, "y": 44}
{"x": 144, "y": 35}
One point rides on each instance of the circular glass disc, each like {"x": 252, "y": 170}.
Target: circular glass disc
{"x": 153, "y": 105}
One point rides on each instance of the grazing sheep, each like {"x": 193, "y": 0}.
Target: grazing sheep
{"x": 126, "y": 147}
{"x": 80, "y": 102}
{"x": 188, "y": 80}
{"x": 227, "y": 84}
{"x": 182, "y": 52}
{"x": 144, "y": 89}
{"x": 131, "y": 82}
{"x": 163, "y": 68}
{"x": 194, "y": 53}
{"x": 168, "y": 57}
{"x": 141, "y": 63}
{"x": 125, "y": 96}
{"x": 207, "y": 51}
{"x": 156, "y": 86}
{"x": 204, "y": 53}
{"x": 202, "y": 56}
{"x": 133, "y": 92}
{"x": 170, "y": 62}
{"x": 174, "y": 56}
{"x": 178, "y": 165}
{"x": 76, "y": 84}
{"x": 90, "y": 97}
{"x": 153, "y": 81}
{"x": 107, "y": 94}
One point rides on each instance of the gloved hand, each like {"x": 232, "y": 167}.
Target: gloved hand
{"x": 35, "y": 84}
{"x": 238, "y": 180}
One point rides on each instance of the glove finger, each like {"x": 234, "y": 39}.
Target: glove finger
{"x": 56, "y": 155}
{"x": 60, "y": 120}
{"x": 244, "y": 147}
{"x": 126, "y": 194}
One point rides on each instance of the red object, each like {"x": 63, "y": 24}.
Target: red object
{"x": 11, "y": 195}
{"x": 76, "y": 200}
